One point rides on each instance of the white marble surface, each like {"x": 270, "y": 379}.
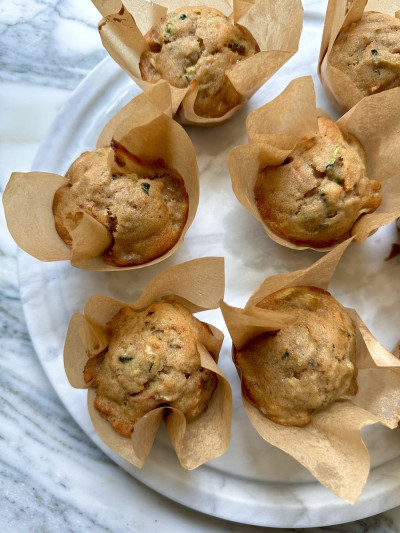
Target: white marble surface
{"x": 52, "y": 476}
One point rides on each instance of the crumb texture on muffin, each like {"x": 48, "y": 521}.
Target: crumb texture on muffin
{"x": 305, "y": 366}
{"x": 368, "y": 52}
{"x": 145, "y": 210}
{"x": 317, "y": 194}
{"x": 198, "y": 43}
{"x": 151, "y": 361}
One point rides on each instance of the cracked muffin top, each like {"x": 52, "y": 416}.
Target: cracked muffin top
{"x": 317, "y": 194}
{"x": 198, "y": 43}
{"x": 305, "y": 366}
{"x": 151, "y": 361}
{"x": 145, "y": 207}
{"x": 368, "y": 52}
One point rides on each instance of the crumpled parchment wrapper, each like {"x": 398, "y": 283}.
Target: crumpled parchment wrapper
{"x": 339, "y": 88}
{"x": 330, "y": 447}
{"x": 275, "y": 24}
{"x": 198, "y": 285}
{"x": 144, "y": 127}
{"x": 396, "y": 350}
{"x": 275, "y": 128}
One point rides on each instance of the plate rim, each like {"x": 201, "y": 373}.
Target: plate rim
{"x": 296, "y": 515}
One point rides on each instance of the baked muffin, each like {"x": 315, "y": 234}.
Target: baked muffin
{"x": 198, "y": 43}
{"x": 304, "y": 366}
{"x": 317, "y": 194}
{"x": 151, "y": 361}
{"x": 145, "y": 207}
{"x": 368, "y": 52}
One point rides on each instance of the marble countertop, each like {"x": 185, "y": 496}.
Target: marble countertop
{"x": 51, "y": 473}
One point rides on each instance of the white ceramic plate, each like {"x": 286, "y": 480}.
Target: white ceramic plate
{"x": 253, "y": 482}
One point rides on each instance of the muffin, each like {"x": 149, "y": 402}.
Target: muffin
{"x": 305, "y": 366}
{"x": 151, "y": 361}
{"x": 368, "y": 52}
{"x": 143, "y": 205}
{"x": 198, "y": 45}
{"x": 317, "y": 194}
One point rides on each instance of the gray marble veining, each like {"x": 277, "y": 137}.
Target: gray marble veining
{"x": 48, "y": 42}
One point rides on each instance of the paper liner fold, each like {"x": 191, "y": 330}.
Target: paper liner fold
{"x": 275, "y": 24}
{"x": 195, "y": 442}
{"x": 143, "y": 127}
{"x": 332, "y": 439}
{"x": 396, "y": 350}
{"x": 340, "y": 89}
{"x": 275, "y": 128}
{"x": 32, "y": 235}
{"x": 331, "y": 446}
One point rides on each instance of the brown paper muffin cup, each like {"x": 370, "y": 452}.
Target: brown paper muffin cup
{"x": 331, "y": 446}
{"x": 275, "y": 24}
{"x": 275, "y": 128}
{"x": 144, "y": 128}
{"x": 198, "y": 285}
{"x": 339, "y": 88}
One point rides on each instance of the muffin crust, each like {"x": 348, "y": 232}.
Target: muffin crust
{"x": 151, "y": 361}
{"x": 368, "y": 52}
{"x": 305, "y": 366}
{"x": 317, "y": 194}
{"x": 198, "y": 44}
{"x": 145, "y": 210}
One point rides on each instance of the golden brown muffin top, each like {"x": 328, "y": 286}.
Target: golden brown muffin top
{"x": 151, "y": 360}
{"x": 317, "y": 194}
{"x": 368, "y": 52}
{"x": 198, "y": 43}
{"x": 304, "y": 366}
{"x": 145, "y": 210}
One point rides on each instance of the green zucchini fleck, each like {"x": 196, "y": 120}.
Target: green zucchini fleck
{"x": 285, "y": 355}
{"x": 374, "y": 52}
{"x": 125, "y": 359}
{"x": 333, "y": 159}
{"x": 321, "y": 226}
{"x": 167, "y": 32}
{"x": 145, "y": 188}
{"x": 182, "y": 17}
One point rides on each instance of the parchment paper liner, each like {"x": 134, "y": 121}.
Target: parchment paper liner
{"x": 275, "y": 24}
{"x": 340, "y": 89}
{"x": 275, "y": 128}
{"x": 199, "y": 285}
{"x": 331, "y": 447}
{"x": 145, "y": 128}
